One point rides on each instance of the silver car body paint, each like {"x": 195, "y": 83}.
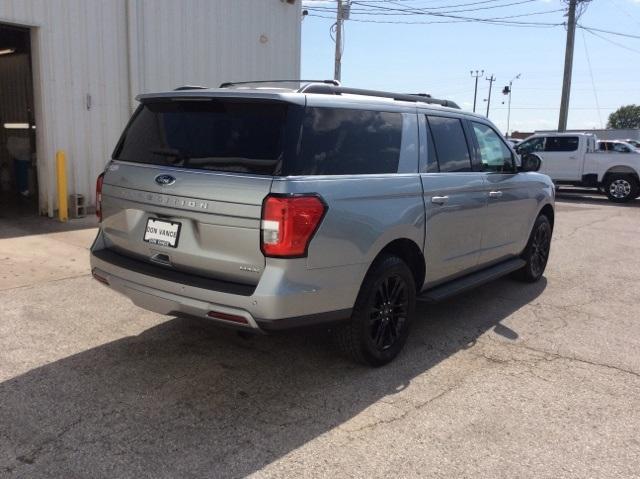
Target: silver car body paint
{"x": 220, "y": 217}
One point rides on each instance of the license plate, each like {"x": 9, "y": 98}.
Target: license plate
{"x": 162, "y": 233}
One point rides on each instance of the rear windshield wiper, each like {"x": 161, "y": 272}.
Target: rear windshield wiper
{"x": 180, "y": 157}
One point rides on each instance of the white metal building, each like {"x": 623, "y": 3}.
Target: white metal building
{"x": 69, "y": 70}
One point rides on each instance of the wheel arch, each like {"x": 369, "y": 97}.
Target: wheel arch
{"x": 620, "y": 169}
{"x": 549, "y": 212}
{"x": 411, "y": 254}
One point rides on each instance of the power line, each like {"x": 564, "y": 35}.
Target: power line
{"x": 593, "y": 83}
{"x": 610, "y": 41}
{"x": 429, "y": 10}
{"x": 376, "y": 10}
{"x": 520, "y": 15}
{"x": 627, "y": 35}
{"x": 626, "y": 12}
{"x": 488, "y": 21}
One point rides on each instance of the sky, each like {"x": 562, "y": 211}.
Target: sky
{"x": 437, "y": 58}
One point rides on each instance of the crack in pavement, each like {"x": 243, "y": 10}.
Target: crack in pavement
{"x": 407, "y": 412}
{"x": 589, "y": 225}
{"x": 32, "y": 456}
{"x": 41, "y": 283}
{"x": 549, "y": 356}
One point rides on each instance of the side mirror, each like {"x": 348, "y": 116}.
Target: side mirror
{"x": 530, "y": 162}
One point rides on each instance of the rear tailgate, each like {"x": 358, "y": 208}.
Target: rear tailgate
{"x": 219, "y": 231}
{"x": 187, "y": 185}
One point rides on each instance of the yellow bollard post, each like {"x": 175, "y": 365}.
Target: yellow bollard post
{"x": 61, "y": 170}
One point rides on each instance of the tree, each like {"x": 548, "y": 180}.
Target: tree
{"x": 627, "y": 116}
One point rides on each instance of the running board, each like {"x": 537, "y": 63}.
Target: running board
{"x": 465, "y": 283}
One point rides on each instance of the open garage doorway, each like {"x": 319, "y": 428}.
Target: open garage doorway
{"x": 18, "y": 172}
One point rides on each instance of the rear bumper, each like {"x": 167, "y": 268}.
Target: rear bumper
{"x": 281, "y": 300}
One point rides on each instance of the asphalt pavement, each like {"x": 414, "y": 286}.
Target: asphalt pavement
{"x": 509, "y": 380}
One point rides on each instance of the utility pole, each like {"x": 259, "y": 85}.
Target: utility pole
{"x": 475, "y": 91}
{"x": 490, "y": 80}
{"x": 568, "y": 65}
{"x": 337, "y": 72}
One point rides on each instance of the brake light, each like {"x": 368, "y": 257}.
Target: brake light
{"x": 289, "y": 223}
{"x": 99, "y": 196}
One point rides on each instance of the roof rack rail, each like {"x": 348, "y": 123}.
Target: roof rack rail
{"x": 338, "y": 90}
{"x": 191, "y": 87}
{"x": 232, "y": 83}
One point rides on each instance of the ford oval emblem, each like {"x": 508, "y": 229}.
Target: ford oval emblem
{"x": 165, "y": 180}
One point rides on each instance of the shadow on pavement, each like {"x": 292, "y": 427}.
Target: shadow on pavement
{"x": 36, "y": 225}
{"x": 185, "y": 399}
{"x": 590, "y": 197}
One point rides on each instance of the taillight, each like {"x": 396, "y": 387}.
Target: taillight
{"x": 289, "y": 223}
{"x": 99, "y": 196}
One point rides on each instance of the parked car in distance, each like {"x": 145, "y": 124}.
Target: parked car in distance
{"x": 513, "y": 141}
{"x": 575, "y": 159}
{"x": 273, "y": 208}
{"x": 615, "y": 146}
{"x": 635, "y": 143}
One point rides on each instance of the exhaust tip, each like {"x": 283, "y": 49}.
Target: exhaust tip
{"x": 99, "y": 278}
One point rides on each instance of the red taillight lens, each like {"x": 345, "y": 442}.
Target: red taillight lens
{"x": 227, "y": 317}
{"x": 288, "y": 224}
{"x": 99, "y": 196}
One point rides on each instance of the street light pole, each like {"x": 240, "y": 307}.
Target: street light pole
{"x": 475, "y": 91}
{"x": 509, "y": 108}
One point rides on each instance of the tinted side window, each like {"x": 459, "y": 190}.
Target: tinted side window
{"x": 532, "y": 145}
{"x": 561, "y": 143}
{"x": 495, "y": 155}
{"x": 432, "y": 158}
{"x": 451, "y": 144}
{"x": 620, "y": 148}
{"x": 338, "y": 141}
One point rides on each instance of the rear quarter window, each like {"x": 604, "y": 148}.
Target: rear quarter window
{"x": 341, "y": 141}
{"x": 562, "y": 143}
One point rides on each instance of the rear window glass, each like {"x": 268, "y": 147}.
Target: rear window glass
{"x": 338, "y": 141}
{"x": 220, "y": 135}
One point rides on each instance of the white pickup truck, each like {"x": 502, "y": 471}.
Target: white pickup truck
{"x": 573, "y": 159}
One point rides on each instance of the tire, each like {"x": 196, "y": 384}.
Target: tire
{"x": 377, "y": 330}
{"x": 621, "y": 188}
{"x": 536, "y": 253}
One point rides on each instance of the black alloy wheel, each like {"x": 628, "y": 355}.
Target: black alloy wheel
{"x": 388, "y": 313}
{"x": 379, "y": 324}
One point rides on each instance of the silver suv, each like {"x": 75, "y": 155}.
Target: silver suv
{"x": 267, "y": 207}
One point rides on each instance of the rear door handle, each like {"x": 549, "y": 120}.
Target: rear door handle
{"x": 495, "y": 194}
{"x": 439, "y": 200}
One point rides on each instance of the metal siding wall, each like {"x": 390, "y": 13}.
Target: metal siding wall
{"x": 77, "y": 49}
{"x": 80, "y": 47}
{"x": 205, "y": 42}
